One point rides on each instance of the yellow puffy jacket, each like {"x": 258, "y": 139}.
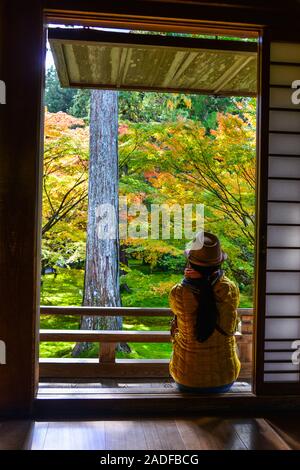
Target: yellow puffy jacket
{"x": 214, "y": 362}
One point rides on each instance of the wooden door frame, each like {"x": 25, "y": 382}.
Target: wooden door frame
{"x": 20, "y": 319}
{"x": 262, "y": 146}
{"x": 22, "y": 69}
{"x": 262, "y": 116}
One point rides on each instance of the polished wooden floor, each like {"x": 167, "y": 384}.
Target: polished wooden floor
{"x": 202, "y": 433}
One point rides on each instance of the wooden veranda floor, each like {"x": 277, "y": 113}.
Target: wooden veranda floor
{"x": 98, "y": 388}
{"x": 280, "y": 432}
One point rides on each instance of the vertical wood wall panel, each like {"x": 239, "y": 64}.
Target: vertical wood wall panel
{"x": 282, "y": 321}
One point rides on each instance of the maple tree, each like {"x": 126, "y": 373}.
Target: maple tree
{"x": 64, "y": 189}
{"x": 180, "y": 162}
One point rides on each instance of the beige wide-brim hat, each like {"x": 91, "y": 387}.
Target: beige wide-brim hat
{"x": 210, "y": 254}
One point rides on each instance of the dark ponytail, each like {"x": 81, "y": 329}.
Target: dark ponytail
{"x": 207, "y": 313}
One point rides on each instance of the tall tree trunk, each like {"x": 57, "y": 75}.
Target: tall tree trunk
{"x": 101, "y": 285}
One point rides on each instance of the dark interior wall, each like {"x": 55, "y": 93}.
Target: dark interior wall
{"x": 21, "y": 69}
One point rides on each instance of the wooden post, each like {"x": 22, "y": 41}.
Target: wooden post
{"x": 21, "y": 68}
{"x": 245, "y": 345}
{"x": 107, "y": 353}
{"x": 247, "y": 324}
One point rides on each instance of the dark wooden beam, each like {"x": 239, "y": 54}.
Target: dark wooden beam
{"x": 76, "y": 369}
{"x": 180, "y": 404}
{"x": 108, "y": 336}
{"x": 22, "y": 62}
{"x": 261, "y": 211}
{"x": 119, "y": 311}
{"x": 171, "y": 14}
{"x": 88, "y": 368}
{"x": 88, "y": 36}
{"x": 108, "y": 311}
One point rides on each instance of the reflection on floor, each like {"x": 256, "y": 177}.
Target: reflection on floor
{"x": 157, "y": 386}
{"x": 279, "y": 432}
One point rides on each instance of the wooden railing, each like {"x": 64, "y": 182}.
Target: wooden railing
{"x": 107, "y": 366}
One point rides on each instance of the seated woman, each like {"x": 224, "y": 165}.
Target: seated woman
{"x": 204, "y": 304}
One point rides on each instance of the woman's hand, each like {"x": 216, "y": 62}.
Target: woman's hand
{"x": 192, "y": 273}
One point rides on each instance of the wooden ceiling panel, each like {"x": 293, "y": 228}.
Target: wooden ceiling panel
{"x": 88, "y": 58}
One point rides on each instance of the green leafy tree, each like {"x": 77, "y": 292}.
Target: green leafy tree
{"x": 57, "y": 98}
{"x": 80, "y": 106}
